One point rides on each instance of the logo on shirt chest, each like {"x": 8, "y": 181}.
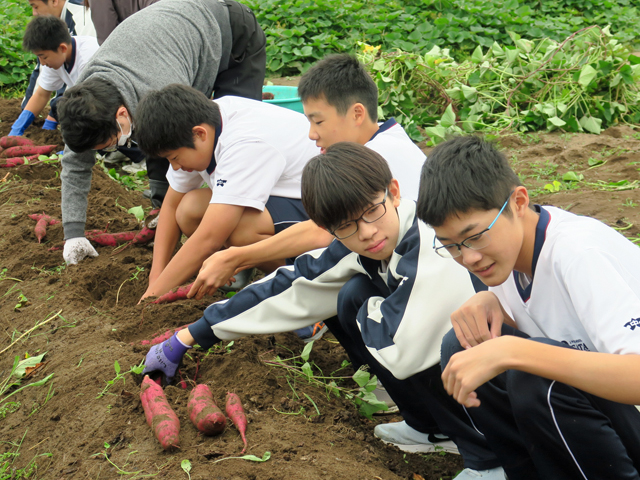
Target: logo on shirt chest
{"x": 578, "y": 344}
{"x": 633, "y": 323}
{"x": 220, "y": 182}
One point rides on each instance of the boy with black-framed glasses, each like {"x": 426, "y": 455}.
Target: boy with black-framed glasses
{"x": 545, "y": 361}
{"x": 380, "y": 288}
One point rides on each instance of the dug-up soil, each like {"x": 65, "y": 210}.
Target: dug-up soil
{"x": 63, "y": 426}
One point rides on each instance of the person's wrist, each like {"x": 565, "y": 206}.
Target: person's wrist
{"x": 185, "y": 338}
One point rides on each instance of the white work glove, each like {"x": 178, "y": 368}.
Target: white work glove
{"x": 76, "y": 249}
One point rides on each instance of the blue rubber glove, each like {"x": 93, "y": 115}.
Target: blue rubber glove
{"x": 165, "y": 357}
{"x": 50, "y": 125}
{"x": 25, "y": 119}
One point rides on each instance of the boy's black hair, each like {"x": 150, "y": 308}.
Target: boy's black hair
{"x": 340, "y": 184}
{"x": 465, "y": 173}
{"x": 342, "y": 81}
{"x": 45, "y": 33}
{"x": 87, "y": 114}
{"x": 165, "y": 118}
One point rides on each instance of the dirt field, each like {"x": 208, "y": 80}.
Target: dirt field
{"x": 62, "y": 426}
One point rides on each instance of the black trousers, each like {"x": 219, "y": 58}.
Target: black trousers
{"x": 421, "y": 398}
{"x": 244, "y": 75}
{"x": 541, "y": 429}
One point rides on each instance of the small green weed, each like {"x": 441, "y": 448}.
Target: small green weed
{"x": 120, "y": 376}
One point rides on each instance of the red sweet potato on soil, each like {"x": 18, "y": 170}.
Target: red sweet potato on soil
{"x": 24, "y": 150}
{"x": 172, "y": 296}
{"x": 144, "y": 236}
{"x": 160, "y": 416}
{"x": 112, "y": 239}
{"x": 204, "y": 413}
{"x": 236, "y": 413}
{"x": 38, "y": 216}
{"x": 17, "y": 161}
{"x": 41, "y": 229}
{"x": 8, "y": 142}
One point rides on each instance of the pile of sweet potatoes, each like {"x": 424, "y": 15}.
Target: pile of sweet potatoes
{"x": 203, "y": 413}
{"x": 14, "y": 151}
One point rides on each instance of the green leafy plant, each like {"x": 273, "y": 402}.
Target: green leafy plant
{"x": 15, "y": 64}
{"x": 137, "y": 369}
{"x": 300, "y": 368}
{"x": 584, "y": 83}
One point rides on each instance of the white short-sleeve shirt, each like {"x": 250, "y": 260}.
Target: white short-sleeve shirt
{"x": 261, "y": 152}
{"x": 404, "y": 157}
{"x": 586, "y": 286}
{"x": 82, "y": 49}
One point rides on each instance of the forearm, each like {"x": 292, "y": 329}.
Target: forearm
{"x": 76, "y": 183}
{"x": 167, "y": 236}
{"x": 605, "y": 375}
{"x": 38, "y": 101}
{"x": 293, "y": 241}
{"x": 184, "y": 265}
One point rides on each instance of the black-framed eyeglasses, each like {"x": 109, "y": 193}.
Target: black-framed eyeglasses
{"x": 474, "y": 242}
{"x": 372, "y": 214}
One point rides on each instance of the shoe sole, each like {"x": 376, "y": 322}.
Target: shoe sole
{"x": 389, "y": 411}
{"x": 447, "y": 446}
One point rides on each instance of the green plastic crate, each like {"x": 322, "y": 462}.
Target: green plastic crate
{"x": 286, "y": 97}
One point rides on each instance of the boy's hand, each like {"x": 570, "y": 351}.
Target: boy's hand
{"x": 76, "y": 249}
{"x": 479, "y": 319}
{"x": 470, "y": 369}
{"x": 165, "y": 358}
{"x": 216, "y": 271}
{"x": 25, "y": 119}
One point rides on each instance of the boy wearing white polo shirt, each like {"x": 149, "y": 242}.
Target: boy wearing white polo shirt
{"x": 250, "y": 154}
{"x": 560, "y": 405}
{"x": 340, "y": 101}
{"x": 62, "y": 58}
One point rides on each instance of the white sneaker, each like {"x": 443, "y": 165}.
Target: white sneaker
{"x": 410, "y": 440}
{"x": 381, "y": 394}
{"x": 492, "y": 474}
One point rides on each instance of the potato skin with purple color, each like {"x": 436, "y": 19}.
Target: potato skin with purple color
{"x": 204, "y": 413}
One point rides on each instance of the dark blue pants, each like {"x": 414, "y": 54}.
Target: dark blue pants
{"x": 421, "y": 398}
{"x": 541, "y": 429}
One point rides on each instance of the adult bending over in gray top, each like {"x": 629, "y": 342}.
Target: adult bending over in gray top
{"x": 216, "y": 47}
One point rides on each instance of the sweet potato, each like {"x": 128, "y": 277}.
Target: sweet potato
{"x": 17, "y": 161}
{"x": 112, "y": 239}
{"x": 236, "y": 413}
{"x": 204, "y": 413}
{"x": 24, "y": 150}
{"x": 160, "y": 416}
{"x": 179, "y": 294}
{"x": 38, "y": 216}
{"x": 41, "y": 229}
{"x": 8, "y": 142}
{"x": 144, "y": 236}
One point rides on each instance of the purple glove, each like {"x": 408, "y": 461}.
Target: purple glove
{"x": 165, "y": 357}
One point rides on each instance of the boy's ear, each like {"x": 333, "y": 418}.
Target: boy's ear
{"x": 521, "y": 197}
{"x": 122, "y": 111}
{"x": 359, "y": 113}
{"x": 63, "y": 48}
{"x": 394, "y": 191}
{"x": 199, "y": 133}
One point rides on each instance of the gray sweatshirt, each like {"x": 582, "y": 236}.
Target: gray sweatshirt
{"x": 108, "y": 14}
{"x": 172, "y": 41}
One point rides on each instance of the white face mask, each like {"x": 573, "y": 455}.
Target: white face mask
{"x": 124, "y": 137}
